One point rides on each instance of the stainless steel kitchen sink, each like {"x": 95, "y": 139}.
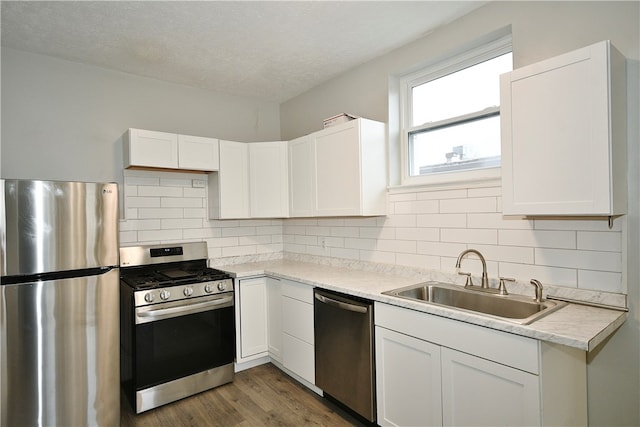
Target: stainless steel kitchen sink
{"x": 513, "y": 308}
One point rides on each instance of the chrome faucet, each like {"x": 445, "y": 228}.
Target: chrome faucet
{"x": 538, "y": 286}
{"x": 485, "y": 277}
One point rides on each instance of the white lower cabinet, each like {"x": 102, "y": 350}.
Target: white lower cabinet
{"x": 298, "y": 353}
{"x": 431, "y": 370}
{"x": 274, "y": 318}
{"x": 251, "y": 319}
{"x": 479, "y": 392}
{"x": 408, "y": 380}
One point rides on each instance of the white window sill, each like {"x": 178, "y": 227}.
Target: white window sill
{"x": 490, "y": 177}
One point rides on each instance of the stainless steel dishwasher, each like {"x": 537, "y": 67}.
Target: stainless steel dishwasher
{"x": 344, "y": 350}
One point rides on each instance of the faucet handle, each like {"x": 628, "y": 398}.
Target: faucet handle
{"x": 467, "y": 282}
{"x": 502, "y": 289}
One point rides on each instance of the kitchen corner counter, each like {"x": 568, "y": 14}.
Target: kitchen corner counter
{"x": 575, "y": 325}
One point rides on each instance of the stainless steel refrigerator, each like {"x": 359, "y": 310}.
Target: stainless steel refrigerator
{"x": 59, "y": 304}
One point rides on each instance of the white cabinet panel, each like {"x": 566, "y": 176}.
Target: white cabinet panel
{"x": 198, "y": 153}
{"x": 269, "y": 179}
{"x": 302, "y": 177}
{"x": 252, "y": 325}
{"x": 274, "y": 318}
{"x": 564, "y": 135}
{"x": 340, "y": 171}
{"x": 145, "y": 148}
{"x": 229, "y": 188}
{"x": 479, "y": 392}
{"x": 297, "y": 319}
{"x": 298, "y": 357}
{"x": 408, "y": 380}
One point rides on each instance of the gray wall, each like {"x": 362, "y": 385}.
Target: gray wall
{"x": 539, "y": 30}
{"x": 64, "y": 121}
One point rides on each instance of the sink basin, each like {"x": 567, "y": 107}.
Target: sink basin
{"x": 512, "y": 308}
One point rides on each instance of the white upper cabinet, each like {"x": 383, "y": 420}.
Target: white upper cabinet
{"x": 340, "y": 171}
{"x": 229, "y": 188}
{"x": 302, "y": 176}
{"x": 152, "y": 149}
{"x": 198, "y": 153}
{"x": 564, "y": 135}
{"x": 252, "y": 181}
{"x": 269, "y": 179}
{"x": 145, "y": 148}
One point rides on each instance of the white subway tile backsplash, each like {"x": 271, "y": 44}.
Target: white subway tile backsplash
{"x": 424, "y": 229}
{"x": 159, "y": 235}
{"x": 479, "y": 204}
{"x": 143, "y": 202}
{"x": 153, "y": 191}
{"x": 181, "y": 202}
{"x": 498, "y": 221}
{"x": 378, "y": 232}
{"x": 181, "y": 223}
{"x": 559, "y": 276}
{"x": 584, "y": 260}
{"x": 418, "y": 261}
{"x": 469, "y": 235}
{"x": 445, "y": 220}
{"x": 155, "y": 213}
{"x": 421, "y": 234}
{"x": 600, "y": 241}
{"x": 600, "y": 280}
{"x": 538, "y": 238}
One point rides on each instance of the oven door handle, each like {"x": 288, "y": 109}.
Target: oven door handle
{"x": 165, "y": 313}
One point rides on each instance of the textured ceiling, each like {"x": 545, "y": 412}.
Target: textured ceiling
{"x": 270, "y": 50}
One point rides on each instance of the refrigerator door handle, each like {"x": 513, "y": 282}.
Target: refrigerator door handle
{"x": 342, "y": 305}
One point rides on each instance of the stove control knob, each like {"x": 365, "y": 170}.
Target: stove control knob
{"x": 208, "y": 288}
{"x": 165, "y": 295}
{"x": 188, "y": 291}
{"x": 222, "y": 286}
{"x": 148, "y": 297}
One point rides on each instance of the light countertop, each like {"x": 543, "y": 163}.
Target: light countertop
{"x": 575, "y": 325}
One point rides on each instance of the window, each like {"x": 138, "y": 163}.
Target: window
{"x": 450, "y": 114}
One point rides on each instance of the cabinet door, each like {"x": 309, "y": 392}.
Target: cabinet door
{"x": 198, "y": 153}
{"x": 269, "y": 177}
{"x": 233, "y": 180}
{"x": 556, "y": 136}
{"x": 151, "y": 149}
{"x": 302, "y": 177}
{"x": 479, "y": 392}
{"x": 274, "y": 323}
{"x": 407, "y": 380}
{"x": 338, "y": 171}
{"x": 253, "y": 317}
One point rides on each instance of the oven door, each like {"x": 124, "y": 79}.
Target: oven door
{"x": 177, "y": 339}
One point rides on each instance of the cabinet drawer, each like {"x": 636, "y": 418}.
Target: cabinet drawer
{"x": 297, "y": 290}
{"x": 502, "y": 347}
{"x": 298, "y": 357}
{"x": 297, "y": 319}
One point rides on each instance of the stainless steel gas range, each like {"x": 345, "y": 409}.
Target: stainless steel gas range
{"x": 177, "y": 324}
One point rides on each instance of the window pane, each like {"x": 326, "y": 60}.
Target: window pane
{"x": 469, "y": 145}
{"x": 465, "y": 91}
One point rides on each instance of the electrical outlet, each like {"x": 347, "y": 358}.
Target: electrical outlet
{"x": 323, "y": 242}
{"x": 198, "y": 183}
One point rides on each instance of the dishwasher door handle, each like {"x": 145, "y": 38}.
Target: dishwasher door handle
{"x": 340, "y": 304}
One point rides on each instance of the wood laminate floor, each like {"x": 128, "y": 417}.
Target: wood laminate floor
{"x": 260, "y": 396}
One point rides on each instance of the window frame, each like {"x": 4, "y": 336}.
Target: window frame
{"x": 435, "y": 69}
